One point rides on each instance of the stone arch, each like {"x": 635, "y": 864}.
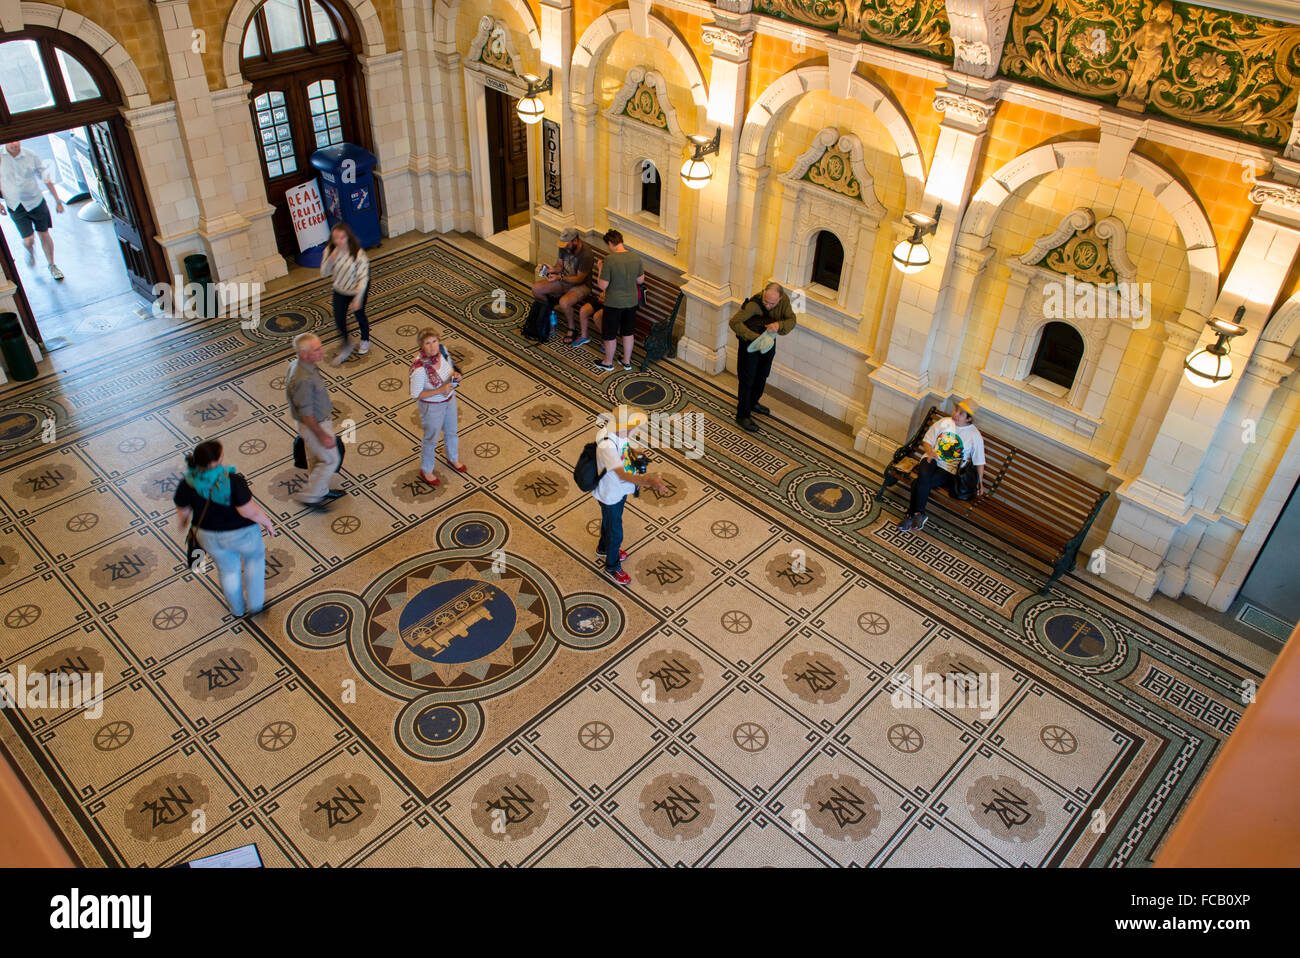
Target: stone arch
{"x": 759, "y": 121}
{"x": 1193, "y": 225}
{"x": 445, "y": 15}
{"x": 603, "y": 31}
{"x": 1284, "y": 327}
{"x": 363, "y": 12}
{"x": 129, "y": 79}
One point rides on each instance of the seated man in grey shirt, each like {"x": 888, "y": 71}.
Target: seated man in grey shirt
{"x": 309, "y": 404}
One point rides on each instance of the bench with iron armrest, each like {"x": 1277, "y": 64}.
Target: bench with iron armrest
{"x": 656, "y": 318}
{"x": 1027, "y": 502}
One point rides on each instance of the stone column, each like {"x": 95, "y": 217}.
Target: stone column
{"x": 453, "y": 193}
{"x": 577, "y": 132}
{"x": 387, "y": 92}
{"x": 708, "y": 290}
{"x": 1148, "y": 539}
{"x": 236, "y": 246}
{"x": 925, "y": 336}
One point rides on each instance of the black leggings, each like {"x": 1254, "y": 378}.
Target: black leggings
{"x": 341, "y": 301}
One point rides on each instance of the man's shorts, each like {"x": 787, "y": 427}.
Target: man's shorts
{"x": 28, "y": 220}
{"x": 618, "y": 321}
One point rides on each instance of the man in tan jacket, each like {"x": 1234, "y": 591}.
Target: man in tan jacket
{"x": 760, "y": 318}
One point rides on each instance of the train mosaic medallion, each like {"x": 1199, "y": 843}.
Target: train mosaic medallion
{"x": 447, "y": 630}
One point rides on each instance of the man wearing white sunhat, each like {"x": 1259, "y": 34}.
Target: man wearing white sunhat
{"x": 620, "y": 475}
{"x": 948, "y": 445}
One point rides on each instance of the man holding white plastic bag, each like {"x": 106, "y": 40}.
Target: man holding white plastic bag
{"x": 757, "y": 323}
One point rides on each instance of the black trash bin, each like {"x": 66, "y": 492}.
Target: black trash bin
{"x": 197, "y": 271}
{"x": 13, "y": 345}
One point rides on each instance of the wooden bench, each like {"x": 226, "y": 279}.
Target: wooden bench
{"x": 657, "y": 318}
{"x": 1027, "y": 502}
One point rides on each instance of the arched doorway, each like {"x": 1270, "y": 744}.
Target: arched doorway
{"x": 51, "y": 83}
{"x": 307, "y": 93}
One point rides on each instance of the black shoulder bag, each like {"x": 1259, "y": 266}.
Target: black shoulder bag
{"x": 967, "y": 483}
{"x": 193, "y": 551}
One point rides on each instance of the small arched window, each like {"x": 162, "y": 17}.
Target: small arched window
{"x": 828, "y": 260}
{"x": 1060, "y": 351}
{"x": 651, "y": 188}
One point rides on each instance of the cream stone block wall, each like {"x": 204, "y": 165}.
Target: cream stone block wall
{"x": 385, "y": 88}
{"x": 626, "y": 52}
{"x": 1153, "y": 244}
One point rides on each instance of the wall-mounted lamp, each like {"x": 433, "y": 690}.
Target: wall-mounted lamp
{"x": 1210, "y": 365}
{"x": 696, "y": 172}
{"x": 911, "y": 256}
{"x": 530, "y": 108}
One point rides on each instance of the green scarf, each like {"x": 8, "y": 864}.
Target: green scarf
{"x": 212, "y": 483}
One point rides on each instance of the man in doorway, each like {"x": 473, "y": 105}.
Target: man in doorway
{"x": 757, "y": 323}
{"x": 310, "y": 406}
{"x": 948, "y": 445}
{"x": 569, "y": 278}
{"x": 21, "y": 175}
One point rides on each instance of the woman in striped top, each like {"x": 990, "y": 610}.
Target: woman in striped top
{"x": 346, "y": 261}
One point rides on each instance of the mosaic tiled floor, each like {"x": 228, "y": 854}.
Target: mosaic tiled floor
{"x": 442, "y": 677}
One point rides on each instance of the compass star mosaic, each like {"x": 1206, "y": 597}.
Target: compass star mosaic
{"x": 443, "y": 677}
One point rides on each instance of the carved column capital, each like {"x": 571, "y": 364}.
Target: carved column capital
{"x": 965, "y": 112}
{"x": 732, "y": 44}
{"x": 1280, "y": 194}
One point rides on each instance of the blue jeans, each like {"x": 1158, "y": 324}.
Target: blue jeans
{"x": 240, "y": 557}
{"x": 611, "y": 533}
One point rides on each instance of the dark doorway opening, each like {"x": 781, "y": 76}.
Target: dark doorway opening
{"x": 507, "y": 162}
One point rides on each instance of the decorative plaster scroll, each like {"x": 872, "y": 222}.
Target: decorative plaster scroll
{"x": 1072, "y": 249}
{"x": 643, "y": 98}
{"x": 834, "y": 163}
{"x": 494, "y": 46}
{"x": 979, "y": 30}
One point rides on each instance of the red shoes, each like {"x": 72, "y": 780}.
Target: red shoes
{"x": 431, "y": 480}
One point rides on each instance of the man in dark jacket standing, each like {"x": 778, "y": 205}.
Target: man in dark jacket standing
{"x": 757, "y": 323}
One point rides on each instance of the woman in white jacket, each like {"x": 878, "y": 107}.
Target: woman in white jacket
{"x": 433, "y": 386}
{"x": 346, "y": 262}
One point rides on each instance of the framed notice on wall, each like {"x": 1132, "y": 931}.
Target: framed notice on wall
{"x": 551, "y": 185}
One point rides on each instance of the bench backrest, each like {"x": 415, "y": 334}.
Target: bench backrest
{"x": 1028, "y": 484}
{"x": 661, "y": 297}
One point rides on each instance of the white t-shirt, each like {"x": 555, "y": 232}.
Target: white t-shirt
{"x": 20, "y": 179}
{"x": 420, "y": 380}
{"x": 611, "y": 451}
{"x": 955, "y": 445}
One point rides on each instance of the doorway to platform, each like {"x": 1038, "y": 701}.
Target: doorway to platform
{"x": 507, "y": 140}
{"x": 60, "y": 101}
{"x": 103, "y": 280}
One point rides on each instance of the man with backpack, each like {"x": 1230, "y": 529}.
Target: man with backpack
{"x": 608, "y": 470}
{"x": 757, "y": 323}
{"x": 569, "y": 280}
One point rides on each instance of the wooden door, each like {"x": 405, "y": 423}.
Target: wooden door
{"x": 295, "y": 115}
{"x": 507, "y": 162}
{"x": 116, "y": 184}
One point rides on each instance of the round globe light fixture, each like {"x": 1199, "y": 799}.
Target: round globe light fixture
{"x": 1210, "y": 365}
{"x": 530, "y": 107}
{"x": 911, "y": 256}
{"x": 696, "y": 172}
